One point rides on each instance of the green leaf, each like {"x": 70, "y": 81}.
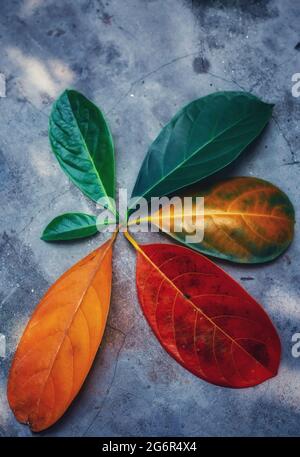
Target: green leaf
{"x": 81, "y": 140}
{"x": 70, "y": 226}
{"x": 201, "y": 139}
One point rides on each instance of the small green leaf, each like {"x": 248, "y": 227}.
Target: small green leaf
{"x": 82, "y": 143}
{"x": 70, "y": 226}
{"x": 201, "y": 139}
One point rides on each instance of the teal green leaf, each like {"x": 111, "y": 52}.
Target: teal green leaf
{"x": 70, "y": 226}
{"x": 82, "y": 143}
{"x": 201, "y": 139}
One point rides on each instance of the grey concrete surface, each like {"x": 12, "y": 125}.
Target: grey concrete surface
{"x": 140, "y": 60}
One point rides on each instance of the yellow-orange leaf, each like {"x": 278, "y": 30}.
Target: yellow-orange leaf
{"x": 246, "y": 220}
{"x": 60, "y": 341}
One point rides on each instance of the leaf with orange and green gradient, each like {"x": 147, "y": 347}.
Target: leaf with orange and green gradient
{"x": 60, "y": 341}
{"x": 246, "y": 220}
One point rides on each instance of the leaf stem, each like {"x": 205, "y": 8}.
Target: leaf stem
{"x": 115, "y": 233}
{"x": 132, "y": 241}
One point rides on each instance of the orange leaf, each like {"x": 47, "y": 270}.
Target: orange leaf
{"x": 246, "y": 220}
{"x": 60, "y": 341}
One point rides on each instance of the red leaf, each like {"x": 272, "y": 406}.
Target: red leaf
{"x": 204, "y": 319}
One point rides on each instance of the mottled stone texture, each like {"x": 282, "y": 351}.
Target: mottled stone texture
{"x": 140, "y": 60}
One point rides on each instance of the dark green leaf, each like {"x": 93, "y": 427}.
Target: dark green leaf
{"x": 202, "y": 138}
{"x": 70, "y": 226}
{"x": 81, "y": 140}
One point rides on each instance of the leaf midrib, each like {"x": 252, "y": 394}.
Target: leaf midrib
{"x": 91, "y": 158}
{"x": 207, "y": 214}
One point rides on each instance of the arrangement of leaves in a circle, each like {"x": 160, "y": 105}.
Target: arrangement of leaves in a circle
{"x": 201, "y": 316}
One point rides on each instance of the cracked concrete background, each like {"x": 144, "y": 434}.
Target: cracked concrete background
{"x": 140, "y": 60}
